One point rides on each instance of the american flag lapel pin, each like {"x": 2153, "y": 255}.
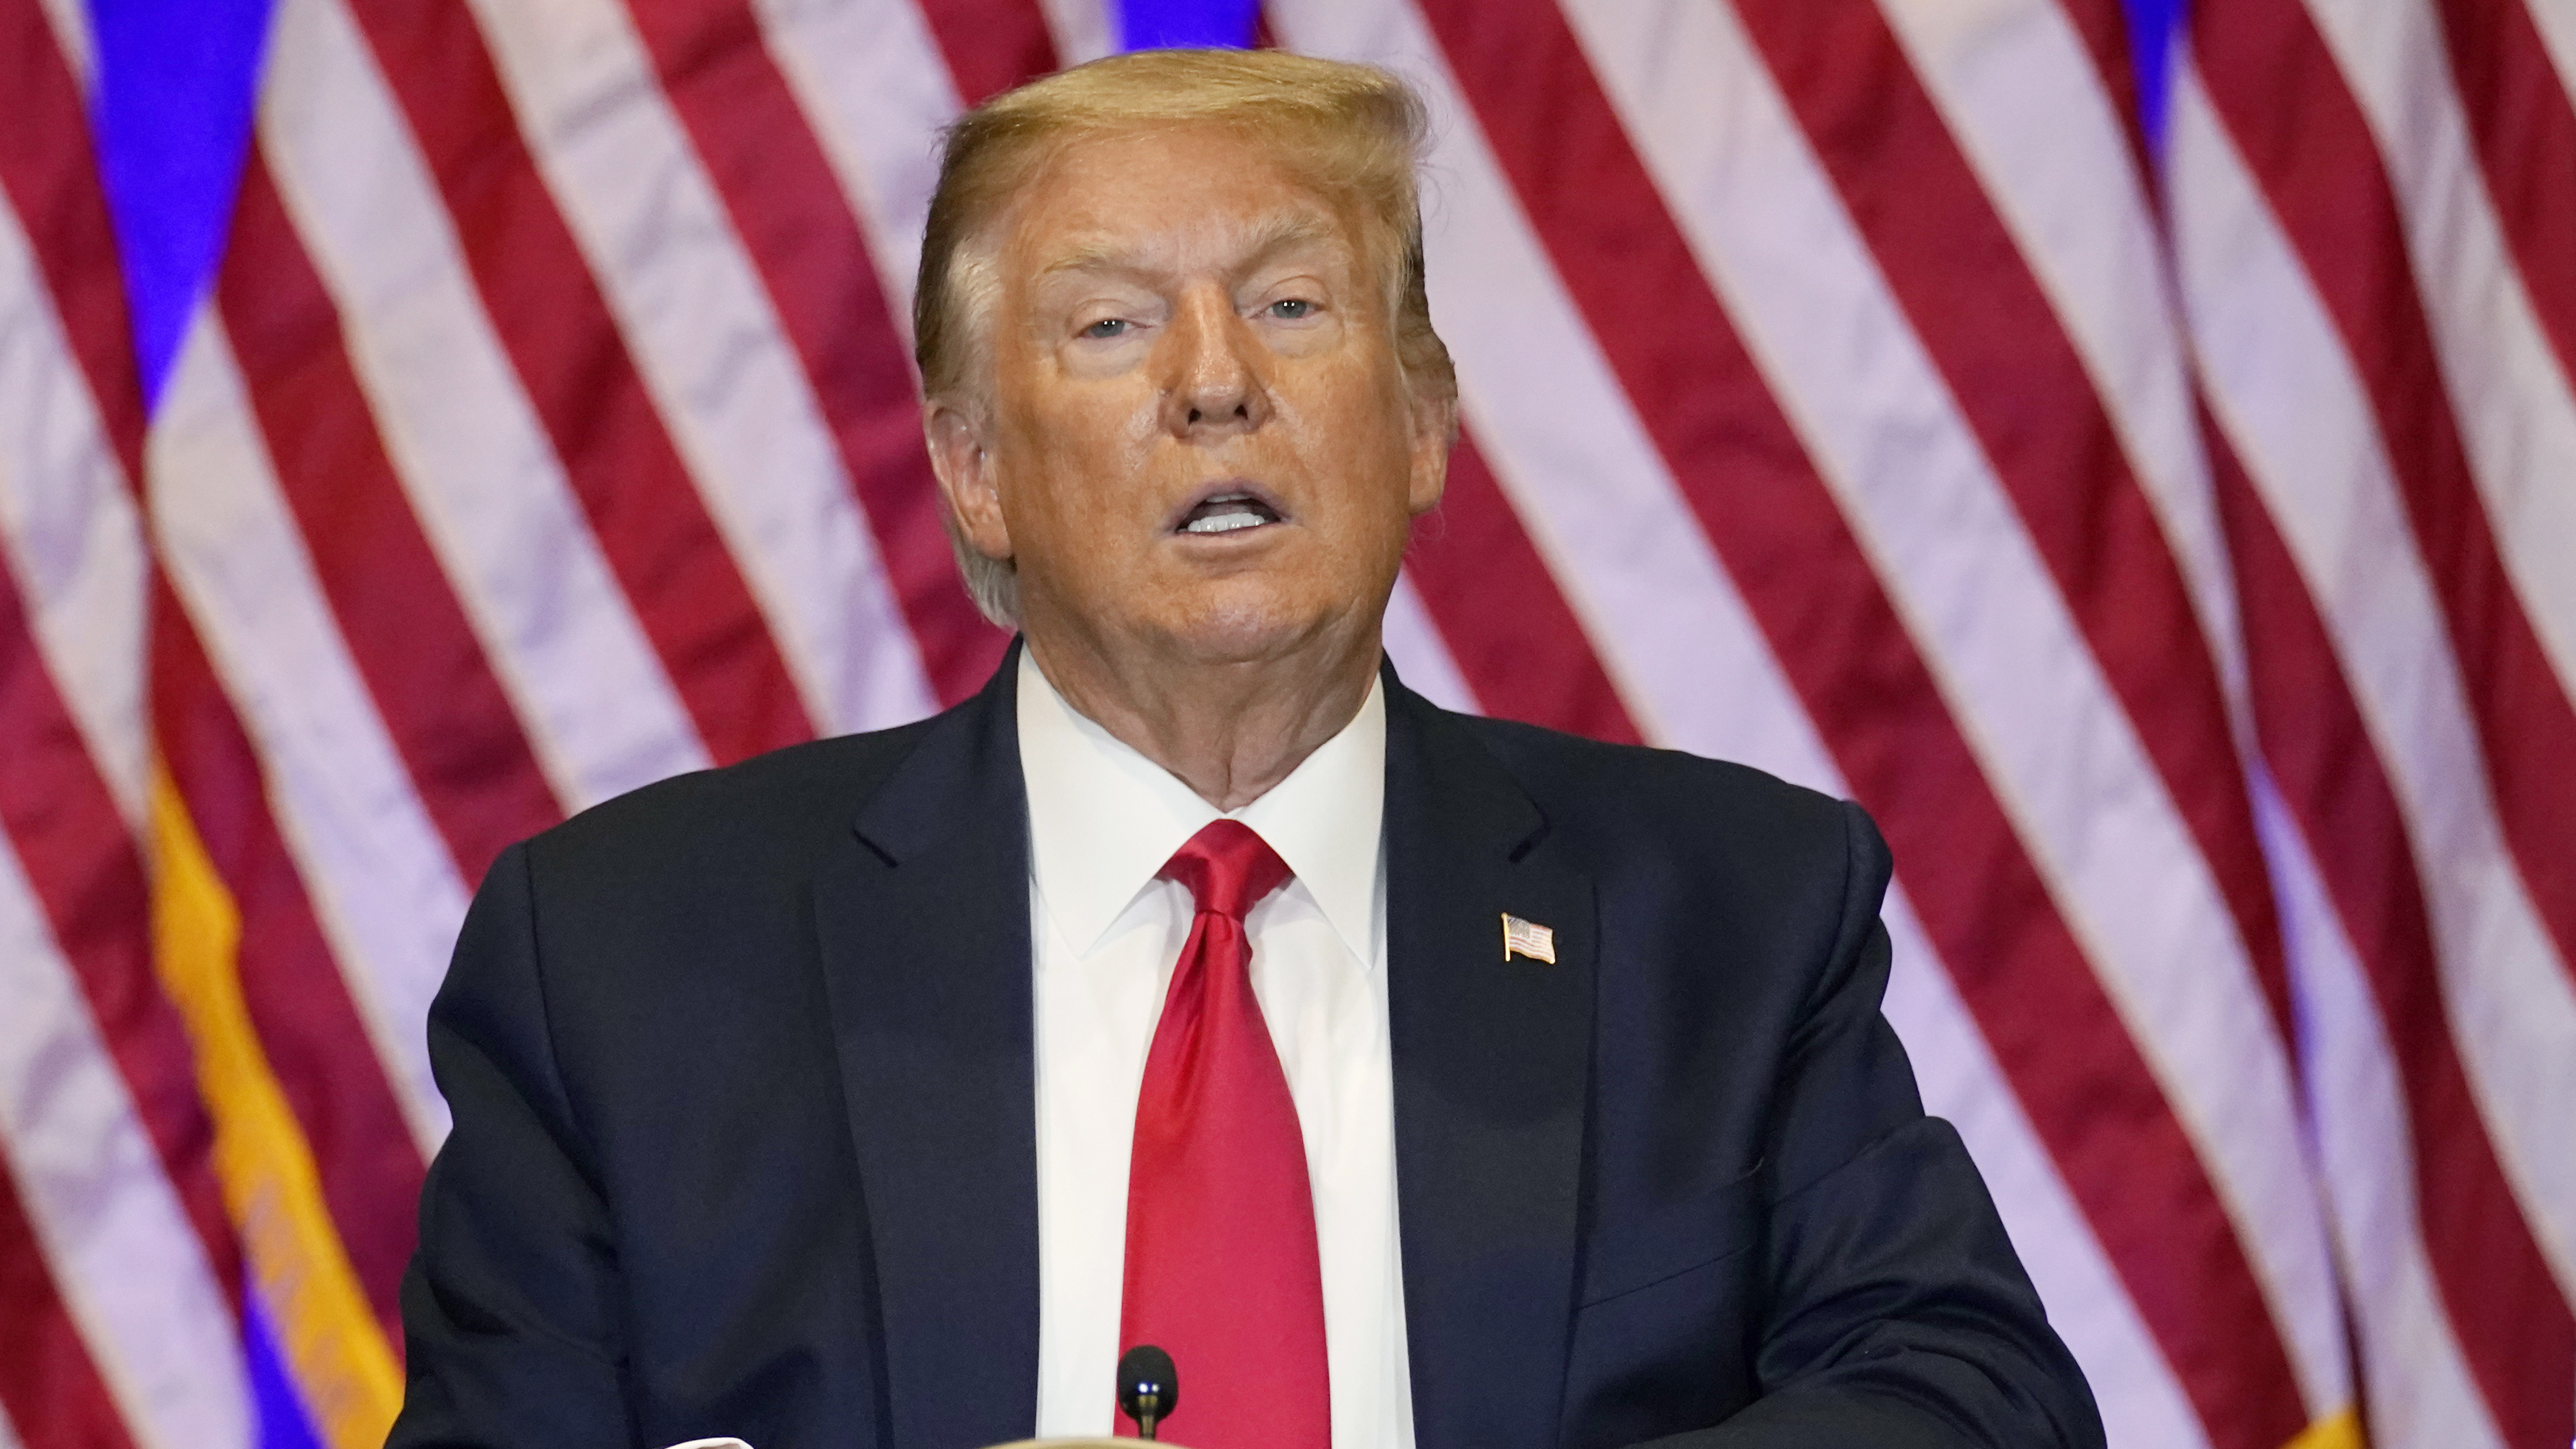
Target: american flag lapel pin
{"x": 1527, "y": 938}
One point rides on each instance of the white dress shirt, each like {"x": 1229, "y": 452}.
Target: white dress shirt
{"x": 1102, "y": 820}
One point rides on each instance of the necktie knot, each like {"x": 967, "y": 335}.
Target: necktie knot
{"x": 1226, "y": 868}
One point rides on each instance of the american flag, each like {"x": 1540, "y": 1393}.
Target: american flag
{"x": 1528, "y": 938}
{"x": 2131, "y": 451}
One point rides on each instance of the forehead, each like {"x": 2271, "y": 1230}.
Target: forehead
{"x": 1170, "y": 198}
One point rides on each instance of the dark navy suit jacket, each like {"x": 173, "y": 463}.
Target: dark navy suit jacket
{"x": 745, "y": 1132}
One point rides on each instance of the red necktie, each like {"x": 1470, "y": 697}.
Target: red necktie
{"x": 1221, "y": 1264}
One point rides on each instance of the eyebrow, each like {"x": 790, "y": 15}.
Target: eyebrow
{"x": 1269, "y": 238}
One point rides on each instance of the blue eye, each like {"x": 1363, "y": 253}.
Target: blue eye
{"x": 1106, "y": 327}
{"x": 1292, "y": 309}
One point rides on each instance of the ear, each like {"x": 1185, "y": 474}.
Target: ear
{"x": 959, "y": 455}
{"x": 1435, "y": 429}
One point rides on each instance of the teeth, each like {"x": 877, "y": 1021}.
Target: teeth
{"x": 1226, "y": 512}
{"x": 1223, "y": 522}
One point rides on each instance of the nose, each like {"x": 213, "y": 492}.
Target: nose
{"x": 1214, "y": 385}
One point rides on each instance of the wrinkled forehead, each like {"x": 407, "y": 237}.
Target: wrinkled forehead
{"x": 1223, "y": 244}
{"x": 1167, "y": 201}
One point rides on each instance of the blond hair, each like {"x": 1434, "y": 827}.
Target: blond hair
{"x": 1354, "y": 132}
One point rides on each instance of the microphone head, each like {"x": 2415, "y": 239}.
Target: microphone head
{"x": 1147, "y": 1387}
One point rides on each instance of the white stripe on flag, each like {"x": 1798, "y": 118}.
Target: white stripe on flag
{"x": 69, "y": 529}
{"x": 382, "y": 882}
{"x": 2517, "y": 415}
{"x": 712, "y": 352}
{"x": 2417, "y": 1380}
{"x": 2055, "y": 743}
{"x": 2142, "y": 1402}
{"x": 1421, "y": 656}
{"x": 2027, "y": 107}
{"x": 601, "y": 714}
{"x": 2285, "y": 392}
{"x": 1083, "y": 29}
{"x": 875, "y": 89}
{"x": 131, "y": 1269}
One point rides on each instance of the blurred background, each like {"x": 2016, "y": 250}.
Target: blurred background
{"x": 2129, "y": 447}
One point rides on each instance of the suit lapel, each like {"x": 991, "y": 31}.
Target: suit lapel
{"x": 1492, "y": 1058}
{"x": 923, "y": 928}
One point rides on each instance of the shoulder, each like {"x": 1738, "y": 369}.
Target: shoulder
{"x": 1625, "y": 802}
{"x": 757, "y": 817}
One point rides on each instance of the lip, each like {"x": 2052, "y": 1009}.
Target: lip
{"x": 1219, "y": 488}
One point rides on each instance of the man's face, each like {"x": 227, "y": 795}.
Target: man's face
{"x": 1199, "y": 442}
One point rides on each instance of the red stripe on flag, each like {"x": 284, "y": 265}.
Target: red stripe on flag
{"x": 2072, "y": 1064}
{"x": 2303, "y": 135}
{"x": 990, "y": 45}
{"x": 51, "y": 174}
{"x": 547, "y": 309}
{"x": 2103, "y": 26}
{"x": 317, "y": 1044}
{"x": 435, "y": 690}
{"x": 2496, "y": 1288}
{"x": 1499, "y": 610}
{"x": 796, "y": 223}
{"x": 1971, "y": 297}
{"x": 81, "y": 862}
{"x": 53, "y": 1392}
{"x": 2526, "y": 135}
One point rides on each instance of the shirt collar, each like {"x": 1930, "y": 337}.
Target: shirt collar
{"x": 1103, "y": 818}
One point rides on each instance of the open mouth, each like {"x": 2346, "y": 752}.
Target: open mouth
{"x": 1226, "y": 513}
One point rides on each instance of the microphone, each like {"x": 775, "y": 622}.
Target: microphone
{"x": 1148, "y": 1388}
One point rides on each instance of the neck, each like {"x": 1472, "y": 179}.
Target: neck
{"x": 1230, "y": 730}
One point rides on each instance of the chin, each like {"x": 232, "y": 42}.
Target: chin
{"x": 1243, "y": 627}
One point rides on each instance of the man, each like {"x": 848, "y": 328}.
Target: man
{"x": 1413, "y": 1079}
